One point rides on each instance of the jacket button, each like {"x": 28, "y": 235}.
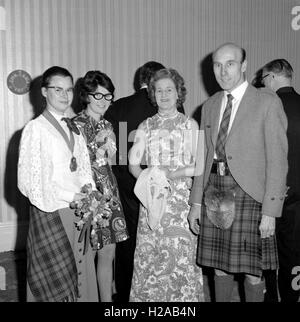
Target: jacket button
{"x": 272, "y": 198}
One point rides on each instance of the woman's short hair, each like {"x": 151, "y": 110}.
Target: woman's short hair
{"x": 91, "y": 81}
{"x": 172, "y": 74}
{"x": 54, "y": 71}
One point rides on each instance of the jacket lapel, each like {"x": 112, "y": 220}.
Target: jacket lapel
{"x": 244, "y": 108}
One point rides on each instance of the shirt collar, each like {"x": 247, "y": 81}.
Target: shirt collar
{"x": 57, "y": 116}
{"x": 238, "y": 92}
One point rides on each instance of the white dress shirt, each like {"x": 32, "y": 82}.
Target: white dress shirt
{"x": 237, "y": 94}
{"x": 44, "y": 174}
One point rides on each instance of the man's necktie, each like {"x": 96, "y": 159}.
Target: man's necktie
{"x": 71, "y": 125}
{"x": 222, "y": 135}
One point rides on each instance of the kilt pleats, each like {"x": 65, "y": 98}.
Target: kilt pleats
{"x": 238, "y": 249}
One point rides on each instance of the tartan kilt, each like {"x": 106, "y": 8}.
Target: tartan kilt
{"x": 51, "y": 266}
{"x": 238, "y": 249}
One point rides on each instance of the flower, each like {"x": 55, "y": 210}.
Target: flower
{"x": 95, "y": 211}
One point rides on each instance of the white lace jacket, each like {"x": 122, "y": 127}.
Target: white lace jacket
{"x": 44, "y": 175}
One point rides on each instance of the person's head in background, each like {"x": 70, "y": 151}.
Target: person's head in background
{"x": 276, "y": 74}
{"x": 57, "y": 87}
{"x": 229, "y": 65}
{"x": 96, "y": 93}
{"x": 147, "y": 71}
{"x": 167, "y": 91}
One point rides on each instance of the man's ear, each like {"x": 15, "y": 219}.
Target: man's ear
{"x": 44, "y": 91}
{"x": 244, "y": 66}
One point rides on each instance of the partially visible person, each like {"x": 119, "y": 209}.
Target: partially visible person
{"x": 236, "y": 201}
{"x": 125, "y": 115}
{"x": 277, "y": 75}
{"x": 53, "y": 166}
{"x": 96, "y": 94}
{"x": 165, "y": 267}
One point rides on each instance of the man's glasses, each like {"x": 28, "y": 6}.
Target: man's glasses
{"x": 60, "y": 91}
{"x": 263, "y": 77}
{"x": 98, "y": 96}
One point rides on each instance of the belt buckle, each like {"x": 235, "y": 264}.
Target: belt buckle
{"x": 221, "y": 168}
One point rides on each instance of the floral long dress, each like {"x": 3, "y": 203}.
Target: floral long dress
{"x": 165, "y": 258}
{"x": 101, "y": 146}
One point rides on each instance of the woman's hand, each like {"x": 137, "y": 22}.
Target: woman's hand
{"x": 168, "y": 173}
{"x": 79, "y": 196}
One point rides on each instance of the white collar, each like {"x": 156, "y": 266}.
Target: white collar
{"x": 57, "y": 116}
{"x": 238, "y": 92}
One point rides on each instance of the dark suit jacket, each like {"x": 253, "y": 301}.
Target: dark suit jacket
{"x": 131, "y": 110}
{"x": 291, "y": 104}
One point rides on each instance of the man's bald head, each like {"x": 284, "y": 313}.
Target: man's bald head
{"x": 233, "y": 46}
{"x": 229, "y": 63}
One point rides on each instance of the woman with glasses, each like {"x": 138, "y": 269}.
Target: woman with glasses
{"x": 96, "y": 95}
{"x": 53, "y": 166}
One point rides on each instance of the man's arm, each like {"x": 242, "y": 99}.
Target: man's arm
{"x": 276, "y": 148}
{"x": 197, "y": 189}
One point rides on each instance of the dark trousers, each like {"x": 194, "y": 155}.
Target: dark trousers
{"x": 125, "y": 250}
{"x": 288, "y": 241}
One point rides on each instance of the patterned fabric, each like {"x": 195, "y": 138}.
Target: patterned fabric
{"x": 51, "y": 267}
{"x": 165, "y": 258}
{"x": 238, "y": 249}
{"x": 222, "y": 135}
{"x": 71, "y": 125}
{"x": 101, "y": 146}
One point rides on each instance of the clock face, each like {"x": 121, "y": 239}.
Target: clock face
{"x": 19, "y": 82}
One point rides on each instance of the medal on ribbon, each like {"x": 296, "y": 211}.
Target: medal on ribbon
{"x": 73, "y": 164}
{"x": 70, "y": 142}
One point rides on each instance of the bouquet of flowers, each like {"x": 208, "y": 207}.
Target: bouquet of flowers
{"x": 95, "y": 212}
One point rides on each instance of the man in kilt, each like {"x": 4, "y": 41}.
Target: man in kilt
{"x": 241, "y": 191}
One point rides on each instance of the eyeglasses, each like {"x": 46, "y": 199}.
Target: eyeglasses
{"x": 60, "y": 91}
{"x": 263, "y": 77}
{"x": 98, "y": 96}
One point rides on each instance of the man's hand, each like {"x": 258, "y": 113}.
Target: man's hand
{"x": 267, "y": 226}
{"x": 194, "y": 218}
